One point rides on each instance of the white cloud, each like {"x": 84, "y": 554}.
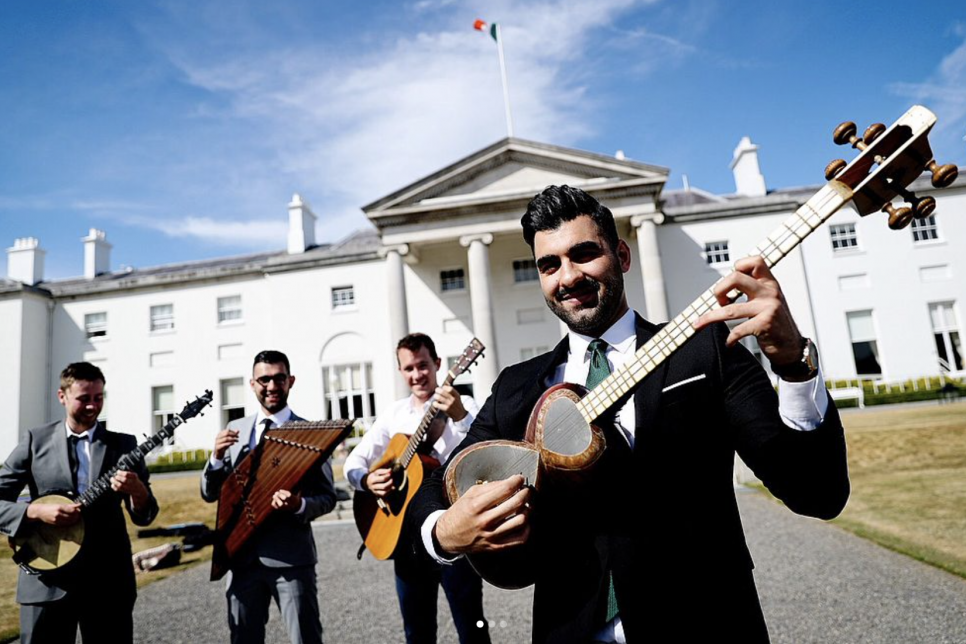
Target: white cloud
{"x": 349, "y": 128}
{"x": 944, "y": 92}
{"x": 254, "y": 234}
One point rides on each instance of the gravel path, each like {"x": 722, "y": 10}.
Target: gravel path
{"x": 817, "y": 583}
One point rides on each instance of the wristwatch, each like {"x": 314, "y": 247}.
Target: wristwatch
{"x": 800, "y": 370}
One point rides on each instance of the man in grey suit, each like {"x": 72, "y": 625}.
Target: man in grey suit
{"x": 279, "y": 560}
{"x": 69, "y": 455}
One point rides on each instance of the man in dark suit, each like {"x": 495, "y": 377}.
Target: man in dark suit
{"x": 653, "y": 544}
{"x": 279, "y": 560}
{"x": 96, "y": 589}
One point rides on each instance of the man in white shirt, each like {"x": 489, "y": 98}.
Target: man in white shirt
{"x": 95, "y": 590}
{"x": 652, "y": 546}
{"x": 279, "y": 559}
{"x": 417, "y": 577}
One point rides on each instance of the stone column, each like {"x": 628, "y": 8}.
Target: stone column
{"x": 481, "y": 301}
{"x": 398, "y": 309}
{"x": 655, "y": 291}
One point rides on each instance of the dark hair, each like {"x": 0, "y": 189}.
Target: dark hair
{"x": 414, "y": 342}
{"x": 80, "y": 371}
{"x": 557, "y": 204}
{"x": 273, "y": 357}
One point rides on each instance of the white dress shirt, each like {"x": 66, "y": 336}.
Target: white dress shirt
{"x": 403, "y": 418}
{"x": 802, "y": 406}
{"x": 83, "y": 451}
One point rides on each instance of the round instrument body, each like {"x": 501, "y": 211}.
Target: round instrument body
{"x": 567, "y": 442}
{"x": 48, "y": 547}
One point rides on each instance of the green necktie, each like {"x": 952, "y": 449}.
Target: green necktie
{"x": 600, "y": 369}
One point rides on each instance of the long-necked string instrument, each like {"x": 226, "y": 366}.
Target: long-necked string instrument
{"x": 380, "y": 520}
{"x": 47, "y": 547}
{"x": 561, "y": 439}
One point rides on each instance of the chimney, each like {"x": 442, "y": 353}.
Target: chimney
{"x": 97, "y": 254}
{"x": 25, "y": 261}
{"x": 301, "y": 226}
{"x": 748, "y": 178}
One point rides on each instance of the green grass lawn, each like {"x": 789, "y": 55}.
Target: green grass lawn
{"x": 908, "y": 470}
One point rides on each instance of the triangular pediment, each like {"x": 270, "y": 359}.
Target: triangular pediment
{"x": 512, "y": 168}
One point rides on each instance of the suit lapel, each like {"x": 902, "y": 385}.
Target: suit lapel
{"x": 237, "y": 451}
{"x": 647, "y": 398}
{"x": 98, "y": 451}
{"x": 62, "y": 459}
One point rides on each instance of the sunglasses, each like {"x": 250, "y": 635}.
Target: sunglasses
{"x": 279, "y": 379}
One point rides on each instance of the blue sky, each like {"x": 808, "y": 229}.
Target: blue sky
{"x": 184, "y": 128}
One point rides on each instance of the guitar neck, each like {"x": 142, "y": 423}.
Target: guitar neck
{"x": 127, "y": 462}
{"x": 417, "y": 438}
{"x": 809, "y": 217}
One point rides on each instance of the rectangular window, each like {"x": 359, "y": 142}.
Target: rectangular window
{"x": 843, "y": 236}
{"x": 945, "y": 329}
{"x": 162, "y": 406}
{"x": 525, "y": 270}
{"x": 348, "y": 391}
{"x": 229, "y": 309}
{"x": 452, "y": 280}
{"x": 864, "y": 347}
{"x": 95, "y": 325}
{"x": 162, "y": 317}
{"x": 343, "y": 297}
{"x": 924, "y": 229}
{"x": 232, "y": 400}
{"x": 717, "y": 252}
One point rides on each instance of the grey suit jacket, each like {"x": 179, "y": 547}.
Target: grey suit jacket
{"x": 41, "y": 464}
{"x": 286, "y": 538}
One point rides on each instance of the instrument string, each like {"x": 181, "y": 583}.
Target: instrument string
{"x": 788, "y": 236}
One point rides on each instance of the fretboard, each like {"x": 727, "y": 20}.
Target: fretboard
{"x": 127, "y": 462}
{"x": 419, "y": 435}
{"x": 675, "y": 333}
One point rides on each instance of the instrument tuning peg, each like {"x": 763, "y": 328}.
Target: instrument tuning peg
{"x": 943, "y": 175}
{"x": 924, "y": 207}
{"x": 899, "y": 218}
{"x": 844, "y": 133}
{"x": 873, "y": 132}
{"x": 834, "y": 168}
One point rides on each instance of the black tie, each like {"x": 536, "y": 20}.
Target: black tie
{"x": 72, "y": 458}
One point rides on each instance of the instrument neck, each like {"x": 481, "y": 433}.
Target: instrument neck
{"x": 420, "y": 434}
{"x": 128, "y": 461}
{"x": 783, "y": 240}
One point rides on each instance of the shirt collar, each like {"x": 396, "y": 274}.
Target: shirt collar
{"x": 622, "y": 336}
{"x": 280, "y": 417}
{"x": 417, "y": 407}
{"x": 89, "y": 434}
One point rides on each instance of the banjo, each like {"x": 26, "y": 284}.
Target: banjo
{"x": 47, "y": 547}
{"x": 562, "y": 444}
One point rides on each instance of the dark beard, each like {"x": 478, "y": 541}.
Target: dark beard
{"x": 601, "y": 316}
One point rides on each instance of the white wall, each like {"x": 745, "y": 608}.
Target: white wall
{"x": 11, "y": 342}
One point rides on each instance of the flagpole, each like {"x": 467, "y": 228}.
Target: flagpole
{"x": 506, "y": 91}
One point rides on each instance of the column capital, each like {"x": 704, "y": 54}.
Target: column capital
{"x": 656, "y": 218}
{"x": 485, "y": 238}
{"x": 400, "y": 249}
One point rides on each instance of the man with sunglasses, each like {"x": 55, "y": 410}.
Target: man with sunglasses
{"x": 279, "y": 561}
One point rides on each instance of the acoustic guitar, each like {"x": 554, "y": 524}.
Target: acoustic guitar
{"x": 561, "y": 439}
{"x": 47, "y": 547}
{"x": 380, "y": 520}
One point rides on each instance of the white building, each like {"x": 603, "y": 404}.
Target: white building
{"x": 446, "y": 257}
